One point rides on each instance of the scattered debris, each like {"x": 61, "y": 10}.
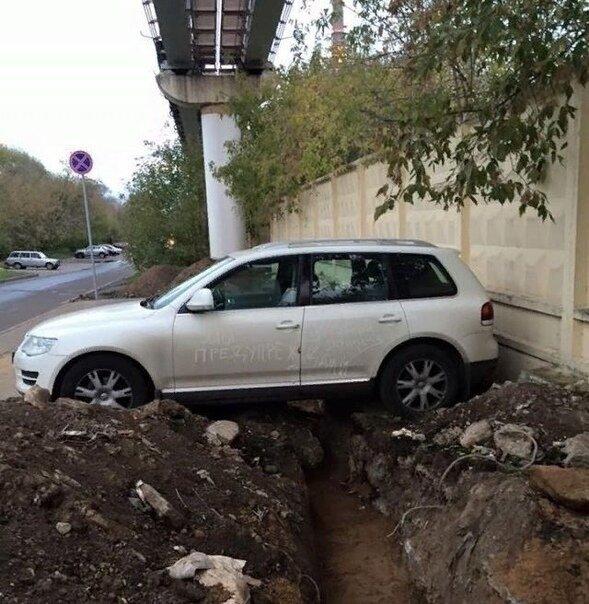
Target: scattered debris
{"x": 404, "y": 433}
{"x": 568, "y": 486}
{"x": 37, "y": 397}
{"x": 63, "y": 528}
{"x": 515, "y": 440}
{"x": 476, "y": 433}
{"x": 576, "y": 450}
{"x": 162, "y": 506}
{"x": 222, "y": 432}
{"x": 216, "y": 570}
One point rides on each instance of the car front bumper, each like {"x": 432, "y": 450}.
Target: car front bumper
{"x": 39, "y": 370}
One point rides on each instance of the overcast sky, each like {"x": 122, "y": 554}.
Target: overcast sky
{"x": 80, "y": 74}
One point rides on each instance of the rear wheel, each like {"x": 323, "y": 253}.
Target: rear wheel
{"x": 419, "y": 379}
{"x": 17, "y": 266}
{"x": 103, "y": 379}
{"x": 79, "y": 255}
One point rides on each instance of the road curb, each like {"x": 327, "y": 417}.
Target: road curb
{"x": 101, "y": 288}
{"x": 18, "y": 278}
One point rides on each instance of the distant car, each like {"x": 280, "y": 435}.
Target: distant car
{"x": 113, "y": 250}
{"x": 99, "y": 252}
{"x": 31, "y": 259}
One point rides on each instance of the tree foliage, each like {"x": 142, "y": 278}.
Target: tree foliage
{"x": 44, "y": 211}
{"x": 164, "y": 219}
{"x": 481, "y": 87}
{"x": 300, "y": 125}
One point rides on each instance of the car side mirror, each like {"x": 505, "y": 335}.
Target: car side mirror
{"x": 201, "y": 301}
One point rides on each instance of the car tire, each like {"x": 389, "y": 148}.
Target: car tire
{"x": 418, "y": 379}
{"x": 78, "y": 255}
{"x": 17, "y": 266}
{"x": 77, "y": 379}
{"x": 49, "y": 266}
{"x": 102, "y": 255}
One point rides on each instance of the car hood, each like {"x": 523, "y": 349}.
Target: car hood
{"x": 81, "y": 320}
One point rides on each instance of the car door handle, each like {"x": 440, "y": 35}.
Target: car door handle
{"x": 288, "y": 325}
{"x": 390, "y": 319}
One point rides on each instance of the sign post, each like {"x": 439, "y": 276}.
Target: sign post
{"x": 81, "y": 163}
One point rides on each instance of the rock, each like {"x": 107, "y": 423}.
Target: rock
{"x": 63, "y": 528}
{"x": 511, "y": 439}
{"x": 405, "y": 433}
{"x": 222, "y": 432}
{"x": 576, "y": 450}
{"x": 159, "y": 504}
{"x": 37, "y": 397}
{"x": 166, "y": 407}
{"x": 476, "y": 433}
{"x": 448, "y": 436}
{"x": 311, "y": 406}
{"x": 567, "y": 486}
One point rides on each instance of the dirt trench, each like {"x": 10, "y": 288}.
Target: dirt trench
{"x": 357, "y": 563}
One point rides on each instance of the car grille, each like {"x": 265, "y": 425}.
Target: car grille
{"x": 29, "y": 377}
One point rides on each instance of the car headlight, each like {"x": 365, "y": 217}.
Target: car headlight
{"x": 34, "y": 346}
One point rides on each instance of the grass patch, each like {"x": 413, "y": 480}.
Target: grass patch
{"x": 5, "y": 274}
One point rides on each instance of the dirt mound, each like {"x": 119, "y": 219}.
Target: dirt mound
{"x": 192, "y": 270}
{"x": 485, "y": 496}
{"x": 154, "y": 280}
{"x": 79, "y": 518}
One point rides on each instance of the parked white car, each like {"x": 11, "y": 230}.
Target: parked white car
{"x": 319, "y": 319}
{"x": 99, "y": 251}
{"x": 31, "y": 259}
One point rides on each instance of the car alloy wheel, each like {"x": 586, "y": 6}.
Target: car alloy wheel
{"x": 105, "y": 387}
{"x": 422, "y": 385}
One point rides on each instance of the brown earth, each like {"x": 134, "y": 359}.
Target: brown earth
{"x": 151, "y": 281}
{"x": 483, "y": 533}
{"x": 79, "y": 465}
{"x": 157, "y": 279}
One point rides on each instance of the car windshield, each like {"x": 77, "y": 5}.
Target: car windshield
{"x": 171, "y": 295}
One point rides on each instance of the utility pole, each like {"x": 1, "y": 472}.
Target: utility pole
{"x": 338, "y": 28}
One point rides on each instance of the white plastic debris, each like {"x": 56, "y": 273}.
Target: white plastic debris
{"x": 404, "y": 433}
{"x": 216, "y": 570}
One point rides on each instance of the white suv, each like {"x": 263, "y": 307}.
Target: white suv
{"x": 319, "y": 319}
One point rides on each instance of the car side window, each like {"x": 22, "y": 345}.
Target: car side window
{"x": 25, "y": 255}
{"x": 268, "y": 283}
{"x": 421, "y": 276}
{"x": 341, "y": 278}
{"x": 35, "y": 255}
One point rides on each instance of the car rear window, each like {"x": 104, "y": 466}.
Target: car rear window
{"x": 421, "y": 276}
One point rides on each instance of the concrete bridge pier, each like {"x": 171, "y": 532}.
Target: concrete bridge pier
{"x": 205, "y": 98}
{"x": 225, "y": 218}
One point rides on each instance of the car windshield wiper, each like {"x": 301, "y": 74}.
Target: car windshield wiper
{"x": 148, "y": 302}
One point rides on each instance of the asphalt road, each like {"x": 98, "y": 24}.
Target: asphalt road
{"x": 25, "y": 299}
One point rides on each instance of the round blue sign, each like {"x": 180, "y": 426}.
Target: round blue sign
{"x": 81, "y": 162}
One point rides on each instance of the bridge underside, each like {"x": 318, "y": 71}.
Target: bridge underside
{"x": 200, "y": 45}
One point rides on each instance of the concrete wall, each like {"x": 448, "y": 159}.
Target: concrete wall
{"x": 536, "y": 273}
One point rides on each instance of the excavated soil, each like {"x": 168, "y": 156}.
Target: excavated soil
{"x": 79, "y": 465}
{"x": 334, "y": 506}
{"x": 474, "y": 522}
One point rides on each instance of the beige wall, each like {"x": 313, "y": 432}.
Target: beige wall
{"x": 537, "y": 272}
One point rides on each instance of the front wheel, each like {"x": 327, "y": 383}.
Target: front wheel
{"x": 49, "y": 266}
{"x": 103, "y": 379}
{"x": 419, "y": 379}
